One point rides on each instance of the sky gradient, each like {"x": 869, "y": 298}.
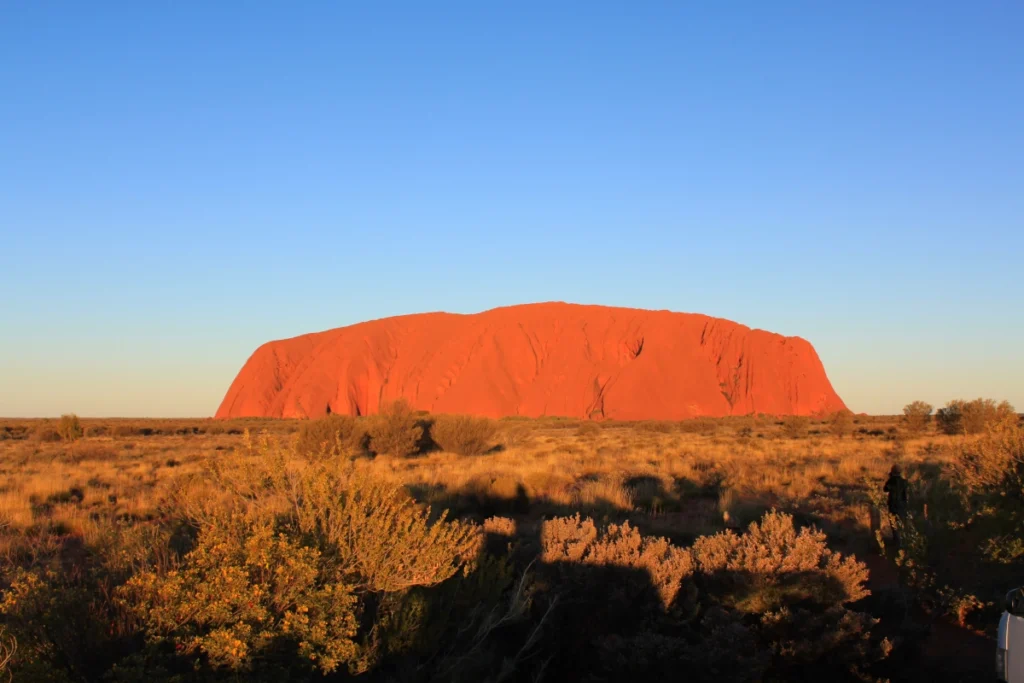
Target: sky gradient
{"x": 181, "y": 182}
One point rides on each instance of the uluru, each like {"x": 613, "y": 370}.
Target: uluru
{"x": 546, "y": 359}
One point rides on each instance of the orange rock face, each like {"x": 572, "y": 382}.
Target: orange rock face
{"x": 537, "y": 359}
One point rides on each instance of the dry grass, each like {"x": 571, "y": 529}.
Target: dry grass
{"x": 660, "y": 471}
{"x": 673, "y": 481}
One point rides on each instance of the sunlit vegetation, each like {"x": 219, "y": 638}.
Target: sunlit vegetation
{"x": 410, "y": 547}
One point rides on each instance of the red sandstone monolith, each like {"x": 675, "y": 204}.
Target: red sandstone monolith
{"x": 534, "y": 360}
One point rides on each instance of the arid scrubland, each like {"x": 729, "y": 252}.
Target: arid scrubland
{"x": 734, "y": 549}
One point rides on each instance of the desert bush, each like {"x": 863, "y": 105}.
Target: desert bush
{"x": 983, "y": 413}
{"x": 517, "y": 435}
{"x": 214, "y": 428}
{"x": 96, "y": 430}
{"x": 917, "y": 416}
{"x": 247, "y": 593}
{"x": 332, "y": 436}
{"x": 464, "y": 434}
{"x": 396, "y": 430}
{"x": 65, "y": 625}
{"x": 47, "y": 433}
{"x": 949, "y": 418}
{"x": 973, "y": 417}
{"x": 579, "y": 542}
{"x": 990, "y": 474}
{"x": 588, "y": 429}
{"x": 773, "y": 564}
{"x": 657, "y": 426}
{"x": 699, "y": 425}
{"x": 123, "y": 430}
{"x": 316, "y": 558}
{"x": 379, "y": 534}
{"x": 993, "y": 464}
{"x": 797, "y": 589}
{"x": 795, "y": 426}
{"x": 500, "y": 526}
{"x": 841, "y": 423}
{"x": 69, "y": 428}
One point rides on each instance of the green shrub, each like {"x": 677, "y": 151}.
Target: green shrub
{"x": 464, "y": 434}
{"x": 242, "y": 593}
{"x": 396, "y": 430}
{"x": 332, "y": 436}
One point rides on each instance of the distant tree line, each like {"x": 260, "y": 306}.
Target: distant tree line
{"x": 959, "y": 416}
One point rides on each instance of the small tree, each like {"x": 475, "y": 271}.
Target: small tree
{"x": 917, "y": 416}
{"x": 69, "y": 428}
{"x": 396, "y": 430}
{"x": 841, "y": 423}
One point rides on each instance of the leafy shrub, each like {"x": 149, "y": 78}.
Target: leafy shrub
{"x": 917, "y": 416}
{"x": 244, "y": 593}
{"x": 69, "y": 428}
{"x": 464, "y": 434}
{"x": 380, "y": 538}
{"x": 992, "y": 465}
{"x": 973, "y": 417}
{"x": 772, "y": 564}
{"x": 796, "y": 589}
{"x": 983, "y": 413}
{"x": 317, "y": 560}
{"x": 990, "y": 475}
{"x": 396, "y": 430}
{"x": 332, "y": 436}
{"x": 579, "y": 542}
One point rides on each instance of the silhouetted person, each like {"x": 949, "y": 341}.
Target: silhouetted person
{"x": 896, "y": 487}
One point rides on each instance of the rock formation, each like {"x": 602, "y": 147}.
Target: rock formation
{"x": 537, "y": 359}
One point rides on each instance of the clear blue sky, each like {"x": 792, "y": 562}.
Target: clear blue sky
{"x": 180, "y": 182}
